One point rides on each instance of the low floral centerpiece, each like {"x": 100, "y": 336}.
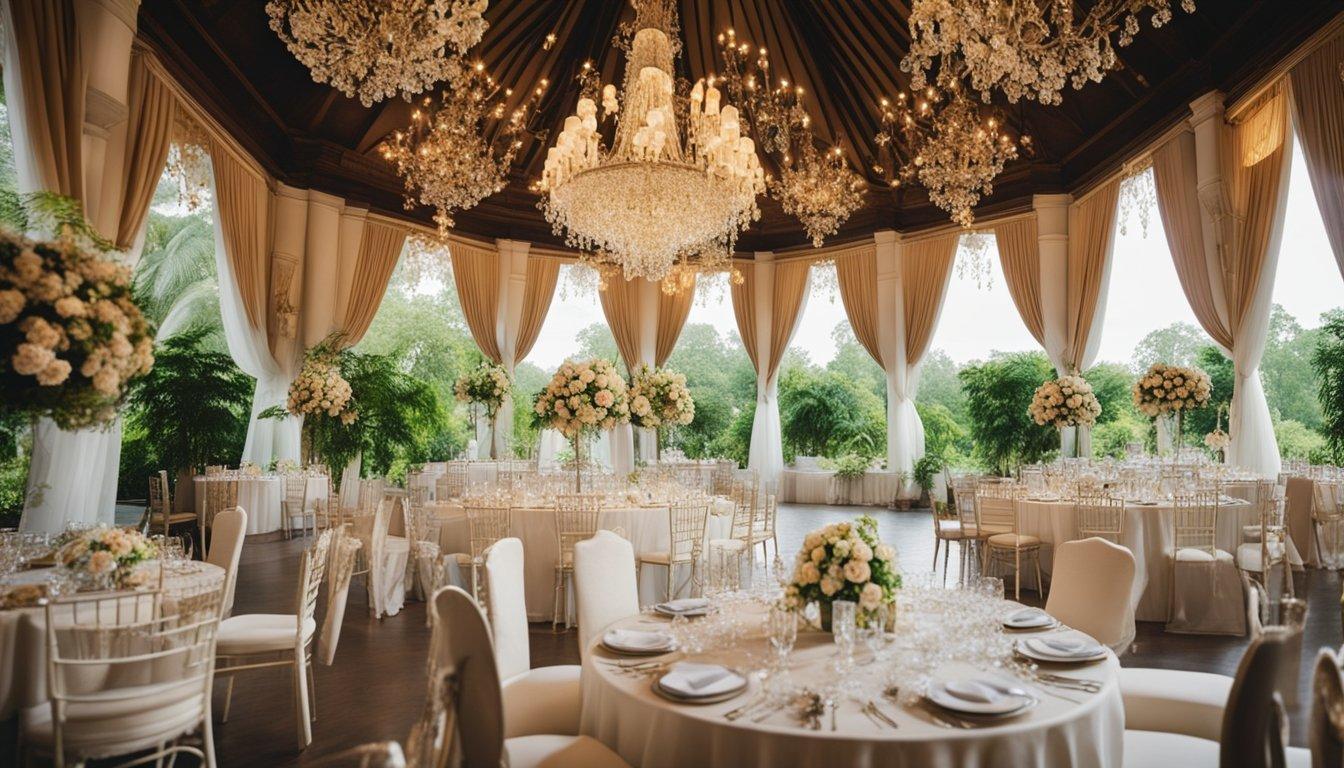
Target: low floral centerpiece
{"x": 582, "y": 398}
{"x": 107, "y": 557}
{"x": 1065, "y": 402}
{"x": 1218, "y": 441}
{"x": 659, "y": 399}
{"x": 485, "y": 385}
{"x": 1172, "y": 390}
{"x": 844, "y": 561}
{"x": 72, "y": 337}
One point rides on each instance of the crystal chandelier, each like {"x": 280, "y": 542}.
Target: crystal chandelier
{"x": 460, "y": 145}
{"x": 954, "y": 150}
{"x": 378, "y": 48}
{"x": 1027, "y": 49}
{"x": 817, "y": 187}
{"x": 678, "y": 181}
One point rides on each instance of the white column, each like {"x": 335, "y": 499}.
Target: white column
{"x": 767, "y": 451}
{"x": 72, "y": 475}
{"x": 1052, "y": 235}
{"x": 648, "y": 353}
{"x": 512, "y": 293}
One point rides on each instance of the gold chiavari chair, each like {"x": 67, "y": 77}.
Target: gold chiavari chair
{"x": 996, "y": 513}
{"x": 1327, "y": 518}
{"x": 686, "y": 520}
{"x": 221, "y": 493}
{"x": 947, "y": 528}
{"x": 963, "y": 498}
{"x": 1267, "y": 547}
{"x": 576, "y": 518}
{"x": 1102, "y": 517}
{"x": 723, "y": 477}
{"x": 727, "y": 553}
{"x": 422, "y": 535}
{"x": 489, "y": 519}
{"x": 295, "y": 505}
{"x": 159, "y": 515}
{"x": 765, "y": 512}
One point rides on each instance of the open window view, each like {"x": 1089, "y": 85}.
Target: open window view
{"x": 668, "y": 383}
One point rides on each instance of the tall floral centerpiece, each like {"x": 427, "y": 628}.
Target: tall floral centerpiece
{"x": 485, "y": 385}
{"x": 71, "y": 335}
{"x": 1171, "y": 390}
{"x": 319, "y": 393}
{"x": 581, "y": 399}
{"x": 1218, "y": 441}
{"x": 659, "y": 399}
{"x": 844, "y": 561}
{"x": 1065, "y": 402}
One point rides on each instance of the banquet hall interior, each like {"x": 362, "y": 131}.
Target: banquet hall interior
{"x": 672, "y": 383}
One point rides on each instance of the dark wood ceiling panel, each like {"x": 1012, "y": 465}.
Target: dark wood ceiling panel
{"x": 845, "y": 53}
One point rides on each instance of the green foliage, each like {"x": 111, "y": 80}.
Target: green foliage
{"x": 1328, "y": 362}
{"x": 1111, "y": 384}
{"x": 13, "y": 488}
{"x": 722, "y": 383}
{"x": 1296, "y": 440}
{"x": 175, "y": 280}
{"x": 190, "y": 411}
{"x": 998, "y": 393}
{"x": 1110, "y": 438}
{"x": 828, "y": 414}
{"x": 940, "y": 385}
{"x": 1176, "y": 344}
{"x": 1222, "y": 377}
{"x": 1286, "y": 370}
{"x": 928, "y": 466}
{"x": 735, "y": 442}
{"x": 854, "y": 363}
{"x": 943, "y": 435}
{"x": 852, "y": 465}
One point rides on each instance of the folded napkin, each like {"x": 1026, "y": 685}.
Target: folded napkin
{"x": 1065, "y": 647}
{"x": 694, "y": 680}
{"x": 972, "y": 690}
{"x": 685, "y": 604}
{"x": 1027, "y": 615}
{"x": 637, "y": 639}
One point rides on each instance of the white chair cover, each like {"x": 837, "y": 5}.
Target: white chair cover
{"x": 340, "y": 569}
{"x": 1207, "y": 596}
{"x": 1091, "y": 590}
{"x": 604, "y": 580}
{"x": 226, "y": 545}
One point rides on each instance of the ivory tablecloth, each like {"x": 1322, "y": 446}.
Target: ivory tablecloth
{"x": 23, "y": 649}
{"x": 819, "y": 486}
{"x": 260, "y": 496}
{"x": 622, "y": 711}
{"x": 645, "y": 527}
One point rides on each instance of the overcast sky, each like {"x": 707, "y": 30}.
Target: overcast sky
{"x": 1144, "y": 295}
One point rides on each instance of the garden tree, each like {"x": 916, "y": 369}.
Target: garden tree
{"x": 175, "y": 280}
{"x": 528, "y": 380}
{"x": 1290, "y": 382}
{"x": 943, "y": 436}
{"x": 1111, "y": 383}
{"x": 596, "y": 340}
{"x": 823, "y": 413}
{"x": 939, "y": 384}
{"x": 1177, "y": 344}
{"x": 716, "y": 368}
{"x": 1328, "y": 362}
{"x": 1298, "y": 441}
{"x": 188, "y": 412}
{"x": 1222, "y": 375}
{"x": 998, "y": 392}
{"x": 853, "y": 361}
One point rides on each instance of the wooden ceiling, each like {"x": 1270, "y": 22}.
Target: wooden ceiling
{"x": 845, "y": 53}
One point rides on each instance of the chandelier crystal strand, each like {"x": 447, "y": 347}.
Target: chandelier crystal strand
{"x": 447, "y": 156}
{"x": 819, "y": 188}
{"x": 1026, "y": 49}
{"x": 375, "y": 49}
{"x": 679, "y": 180}
{"x": 954, "y": 150}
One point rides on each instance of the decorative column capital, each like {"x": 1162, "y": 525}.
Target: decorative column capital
{"x": 1207, "y": 107}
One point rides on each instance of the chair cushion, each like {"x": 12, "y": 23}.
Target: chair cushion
{"x": 1151, "y": 749}
{"x": 121, "y": 720}
{"x": 1191, "y": 555}
{"x": 396, "y": 544}
{"x": 1013, "y": 540}
{"x": 543, "y": 700}
{"x": 260, "y": 633}
{"x": 1249, "y": 556}
{"x": 949, "y": 529}
{"x": 657, "y": 558}
{"x": 732, "y": 545}
{"x": 560, "y": 752}
{"x": 1175, "y": 701}
{"x": 1250, "y": 533}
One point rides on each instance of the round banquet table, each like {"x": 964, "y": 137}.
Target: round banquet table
{"x": 1148, "y": 533}
{"x": 622, "y": 711}
{"x": 260, "y": 496}
{"x": 23, "y": 648}
{"x": 645, "y": 526}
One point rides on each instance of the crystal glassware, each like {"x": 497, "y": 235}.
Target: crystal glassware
{"x": 844, "y": 615}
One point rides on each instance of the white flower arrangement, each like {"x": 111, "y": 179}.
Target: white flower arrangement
{"x": 487, "y": 384}
{"x": 109, "y": 553}
{"x": 286, "y": 466}
{"x": 71, "y": 335}
{"x": 319, "y": 390}
{"x": 659, "y": 397}
{"x": 1065, "y": 402}
{"x": 844, "y": 561}
{"x": 1218, "y": 440}
{"x": 582, "y": 397}
{"x": 1165, "y": 389}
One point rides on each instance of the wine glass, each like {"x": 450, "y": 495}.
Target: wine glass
{"x": 874, "y": 632}
{"x": 782, "y": 628}
{"x": 843, "y": 626}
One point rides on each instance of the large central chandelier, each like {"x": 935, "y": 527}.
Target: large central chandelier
{"x": 1028, "y": 48}
{"x": 954, "y": 149}
{"x": 378, "y": 48}
{"x": 679, "y": 179}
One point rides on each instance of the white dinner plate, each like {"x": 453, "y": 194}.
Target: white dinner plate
{"x": 692, "y": 683}
{"x": 1051, "y": 650}
{"x": 958, "y": 696}
{"x": 637, "y": 641}
{"x": 1029, "y": 618}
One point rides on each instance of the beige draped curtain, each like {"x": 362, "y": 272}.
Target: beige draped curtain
{"x": 379, "y": 250}
{"x": 151, "y": 109}
{"x": 856, "y": 274}
{"x": 744, "y": 309}
{"x": 926, "y": 267}
{"x": 673, "y": 309}
{"x": 1318, "y": 115}
{"x": 476, "y": 275}
{"x": 790, "y": 291}
{"x": 540, "y": 289}
{"x": 620, "y": 304}
{"x": 241, "y": 208}
{"x": 47, "y": 107}
{"x": 1091, "y": 236}
{"x": 1019, "y": 253}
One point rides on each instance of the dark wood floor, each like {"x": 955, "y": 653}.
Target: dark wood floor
{"x": 375, "y": 689}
